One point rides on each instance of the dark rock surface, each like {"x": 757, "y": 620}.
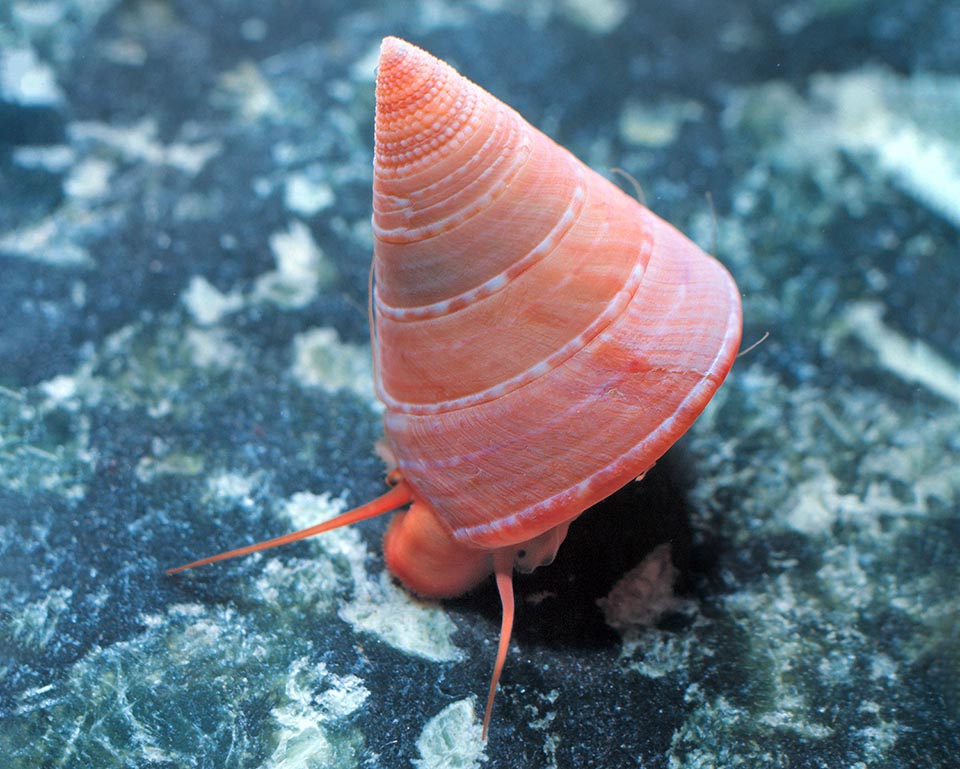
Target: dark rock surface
{"x": 184, "y": 368}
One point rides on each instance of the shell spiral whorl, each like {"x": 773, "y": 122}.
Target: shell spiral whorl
{"x": 522, "y": 300}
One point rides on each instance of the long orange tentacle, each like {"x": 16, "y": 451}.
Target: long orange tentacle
{"x": 398, "y": 496}
{"x": 503, "y": 568}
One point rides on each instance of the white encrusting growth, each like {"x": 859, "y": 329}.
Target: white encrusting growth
{"x": 304, "y": 716}
{"x": 451, "y": 739}
{"x": 383, "y": 609}
{"x": 302, "y": 269}
{"x": 910, "y": 359}
{"x": 139, "y": 142}
{"x": 644, "y": 594}
{"x": 25, "y": 79}
{"x": 321, "y": 359}
{"x": 208, "y": 305}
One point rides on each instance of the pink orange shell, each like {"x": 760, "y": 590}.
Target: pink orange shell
{"x": 541, "y": 338}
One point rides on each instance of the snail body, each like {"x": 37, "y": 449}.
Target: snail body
{"x": 540, "y": 338}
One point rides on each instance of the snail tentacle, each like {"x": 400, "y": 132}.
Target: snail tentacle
{"x": 398, "y": 496}
{"x": 503, "y": 560}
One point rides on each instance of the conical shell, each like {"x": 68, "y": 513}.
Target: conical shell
{"x": 541, "y": 337}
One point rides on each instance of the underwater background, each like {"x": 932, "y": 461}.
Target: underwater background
{"x": 185, "y": 368}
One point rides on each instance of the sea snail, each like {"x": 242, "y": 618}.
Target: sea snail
{"x": 540, "y": 338}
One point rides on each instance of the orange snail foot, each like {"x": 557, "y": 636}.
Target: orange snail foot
{"x": 427, "y": 560}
